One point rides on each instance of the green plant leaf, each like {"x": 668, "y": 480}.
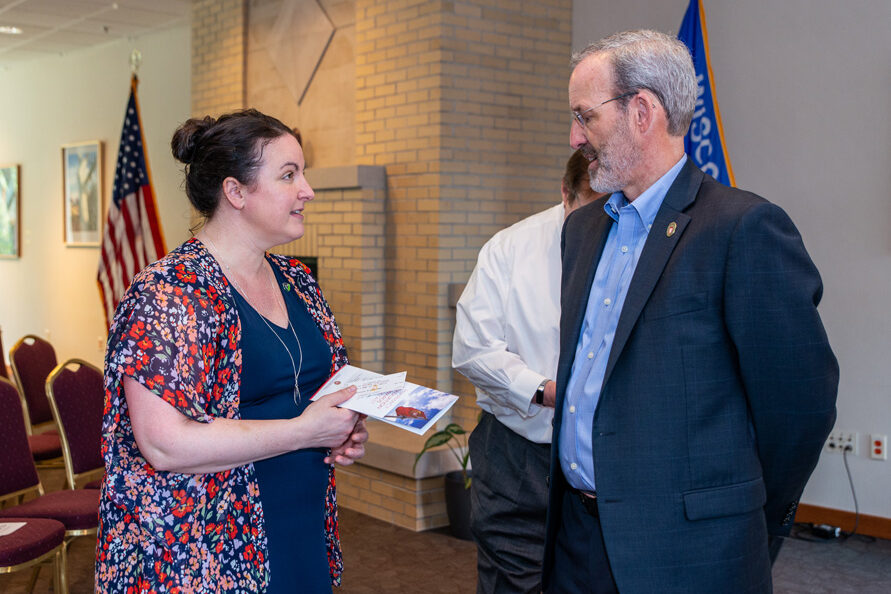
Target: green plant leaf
{"x": 455, "y": 429}
{"x": 437, "y": 439}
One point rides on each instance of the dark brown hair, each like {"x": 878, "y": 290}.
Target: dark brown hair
{"x": 576, "y": 175}
{"x": 229, "y": 146}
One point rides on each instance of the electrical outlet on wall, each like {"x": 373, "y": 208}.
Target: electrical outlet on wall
{"x": 878, "y": 446}
{"x": 831, "y": 444}
{"x": 849, "y": 441}
{"x": 843, "y": 441}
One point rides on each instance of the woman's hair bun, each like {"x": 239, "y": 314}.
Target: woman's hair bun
{"x": 188, "y": 136}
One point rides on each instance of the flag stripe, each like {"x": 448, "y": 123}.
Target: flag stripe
{"x": 151, "y": 208}
{"x": 133, "y": 238}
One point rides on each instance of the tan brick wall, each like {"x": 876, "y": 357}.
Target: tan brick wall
{"x": 345, "y": 231}
{"x": 218, "y": 56}
{"x": 416, "y": 504}
{"x": 465, "y": 105}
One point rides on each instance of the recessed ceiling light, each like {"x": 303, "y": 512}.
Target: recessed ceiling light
{"x": 8, "y": 30}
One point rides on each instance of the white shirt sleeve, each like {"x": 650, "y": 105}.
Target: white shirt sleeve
{"x": 480, "y": 350}
{"x": 507, "y": 336}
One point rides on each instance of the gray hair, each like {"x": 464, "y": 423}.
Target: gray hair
{"x": 654, "y": 61}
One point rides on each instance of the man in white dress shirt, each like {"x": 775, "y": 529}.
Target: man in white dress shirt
{"x": 507, "y": 344}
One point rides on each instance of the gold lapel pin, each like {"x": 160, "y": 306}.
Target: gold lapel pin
{"x": 672, "y": 227}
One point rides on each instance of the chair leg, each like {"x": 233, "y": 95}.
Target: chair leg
{"x": 62, "y": 573}
{"x": 34, "y": 573}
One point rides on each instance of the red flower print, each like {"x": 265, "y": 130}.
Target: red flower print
{"x": 212, "y": 488}
{"x": 183, "y": 275}
{"x": 177, "y": 332}
{"x": 137, "y": 329}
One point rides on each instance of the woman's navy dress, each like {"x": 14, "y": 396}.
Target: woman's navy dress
{"x": 293, "y": 485}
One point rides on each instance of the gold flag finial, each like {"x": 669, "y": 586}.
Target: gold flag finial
{"x": 135, "y": 61}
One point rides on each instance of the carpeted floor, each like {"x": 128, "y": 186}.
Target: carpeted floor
{"x": 378, "y": 557}
{"x": 381, "y": 558}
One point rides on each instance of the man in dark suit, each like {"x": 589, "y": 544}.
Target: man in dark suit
{"x": 695, "y": 386}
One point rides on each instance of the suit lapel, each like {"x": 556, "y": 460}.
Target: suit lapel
{"x": 658, "y": 248}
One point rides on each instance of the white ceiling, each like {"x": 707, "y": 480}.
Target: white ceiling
{"x": 56, "y": 27}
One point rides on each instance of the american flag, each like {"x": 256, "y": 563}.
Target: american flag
{"x": 133, "y": 237}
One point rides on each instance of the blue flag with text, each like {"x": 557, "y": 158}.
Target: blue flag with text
{"x": 704, "y": 142}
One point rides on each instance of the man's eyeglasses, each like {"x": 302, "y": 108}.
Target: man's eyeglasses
{"x": 579, "y": 116}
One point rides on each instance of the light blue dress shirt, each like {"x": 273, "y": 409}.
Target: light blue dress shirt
{"x": 623, "y": 246}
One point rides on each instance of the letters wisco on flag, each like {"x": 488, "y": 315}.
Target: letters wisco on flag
{"x": 704, "y": 142}
{"x": 133, "y": 237}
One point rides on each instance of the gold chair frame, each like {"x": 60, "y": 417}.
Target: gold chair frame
{"x": 56, "y": 462}
{"x": 19, "y": 497}
{"x": 56, "y": 555}
{"x": 70, "y": 476}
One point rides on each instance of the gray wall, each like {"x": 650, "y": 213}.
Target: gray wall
{"x": 804, "y": 88}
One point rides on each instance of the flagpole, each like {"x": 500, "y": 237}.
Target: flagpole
{"x": 711, "y": 80}
{"x": 133, "y": 237}
{"x": 704, "y": 141}
{"x": 135, "y": 62}
{"x": 151, "y": 203}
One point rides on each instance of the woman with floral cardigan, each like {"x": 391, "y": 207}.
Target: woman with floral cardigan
{"x": 219, "y": 469}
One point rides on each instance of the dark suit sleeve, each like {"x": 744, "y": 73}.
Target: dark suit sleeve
{"x": 788, "y": 370}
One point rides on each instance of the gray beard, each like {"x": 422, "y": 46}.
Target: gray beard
{"x": 615, "y": 160}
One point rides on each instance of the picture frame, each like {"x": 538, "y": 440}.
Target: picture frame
{"x": 82, "y": 193}
{"x": 10, "y": 212}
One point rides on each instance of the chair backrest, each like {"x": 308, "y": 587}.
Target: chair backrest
{"x": 18, "y": 474}
{"x": 77, "y": 397}
{"x": 3, "y": 371}
{"x": 32, "y": 360}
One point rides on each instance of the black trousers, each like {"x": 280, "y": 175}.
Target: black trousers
{"x": 509, "y": 500}
{"x": 580, "y": 561}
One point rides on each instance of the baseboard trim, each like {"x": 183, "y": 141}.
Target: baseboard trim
{"x": 869, "y": 525}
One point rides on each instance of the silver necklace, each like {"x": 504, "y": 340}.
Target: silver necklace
{"x": 296, "y": 368}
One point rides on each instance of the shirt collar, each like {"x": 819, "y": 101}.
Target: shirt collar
{"x": 648, "y": 203}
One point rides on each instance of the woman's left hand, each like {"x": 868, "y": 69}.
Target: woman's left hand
{"x": 353, "y": 448}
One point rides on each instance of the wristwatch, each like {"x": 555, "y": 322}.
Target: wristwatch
{"x": 539, "y": 392}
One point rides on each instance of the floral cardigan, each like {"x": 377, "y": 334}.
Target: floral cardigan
{"x": 177, "y": 332}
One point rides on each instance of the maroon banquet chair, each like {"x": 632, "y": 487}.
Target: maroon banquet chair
{"x": 3, "y": 371}
{"x": 76, "y": 394}
{"x": 77, "y": 510}
{"x": 32, "y": 360}
{"x": 39, "y": 540}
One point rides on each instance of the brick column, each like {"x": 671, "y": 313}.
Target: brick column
{"x": 346, "y": 233}
{"x": 218, "y": 56}
{"x": 465, "y": 105}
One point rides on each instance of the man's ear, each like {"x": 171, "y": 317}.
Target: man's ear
{"x": 644, "y": 106}
{"x": 232, "y": 191}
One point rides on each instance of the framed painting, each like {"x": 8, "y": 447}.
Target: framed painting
{"x": 10, "y": 212}
{"x": 82, "y": 193}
